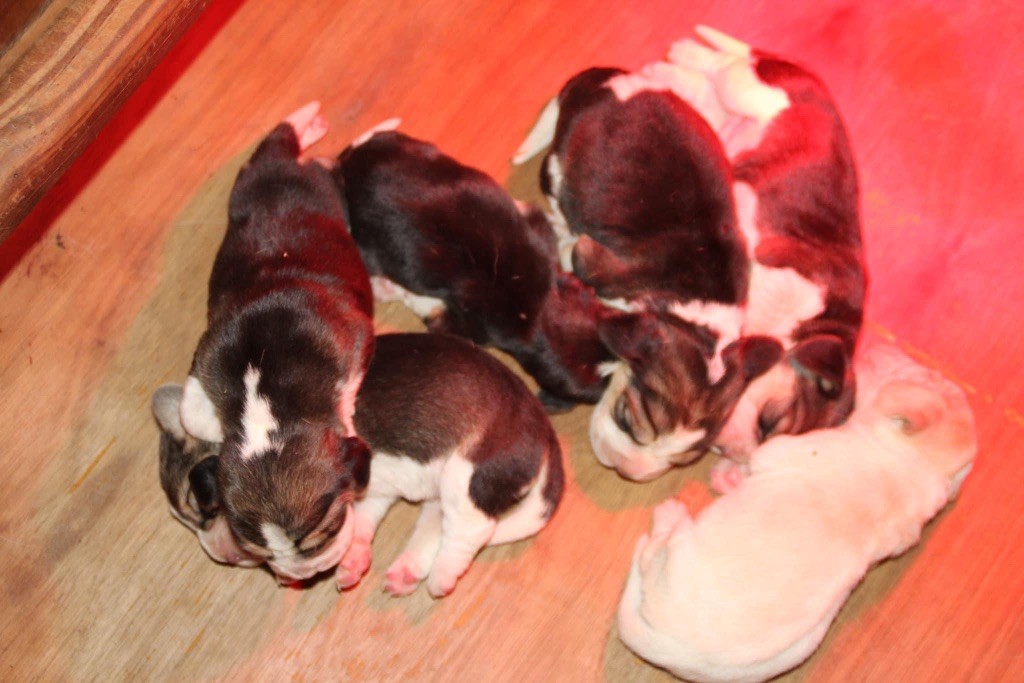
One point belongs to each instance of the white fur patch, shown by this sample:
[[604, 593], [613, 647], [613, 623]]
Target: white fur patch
[[629, 85], [394, 476], [614, 448], [726, 321], [780, 299], [383, 126], [541, 135], [347, 392], [559, 224], [388, 290], [278, 541], [749, 103], [746, 212], [257, 418], [198, 414]]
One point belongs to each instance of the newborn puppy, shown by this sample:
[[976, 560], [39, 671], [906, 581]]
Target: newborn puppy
[[288, 340], [452, 244], [795, 186], [188, 476], [642, 183], [453, 428], [486, 471], [748, 589]]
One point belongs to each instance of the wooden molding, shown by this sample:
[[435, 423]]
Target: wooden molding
[[64, 76]]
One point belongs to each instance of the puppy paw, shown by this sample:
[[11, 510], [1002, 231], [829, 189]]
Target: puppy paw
[[667, 516], [308, 124], [403, 576], [727, 475], [440, 587], [353, 565]]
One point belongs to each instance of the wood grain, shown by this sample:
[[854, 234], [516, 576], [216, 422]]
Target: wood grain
[[105, 302], [64, 75]]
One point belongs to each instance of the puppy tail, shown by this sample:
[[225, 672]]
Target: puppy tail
[[382, 127], [540, 136]]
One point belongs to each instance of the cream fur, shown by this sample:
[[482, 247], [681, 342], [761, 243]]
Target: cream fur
[[748, 589]]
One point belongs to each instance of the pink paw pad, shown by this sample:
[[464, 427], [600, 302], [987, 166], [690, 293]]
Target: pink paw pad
[[353, 566], [402, 579]]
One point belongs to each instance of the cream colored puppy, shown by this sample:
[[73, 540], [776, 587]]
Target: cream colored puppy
[[748, 589]]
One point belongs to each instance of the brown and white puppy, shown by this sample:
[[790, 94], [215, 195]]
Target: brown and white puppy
[[640, 188], [454, 429], [288, 340], [795, 186], [450, 242], [748, 589], [486, 471]]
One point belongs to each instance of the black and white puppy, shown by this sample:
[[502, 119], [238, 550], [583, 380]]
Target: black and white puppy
[[453, 428], [450, 427], [795, 186], [289, 337], [188, 476], [450, 242], [640, 188]]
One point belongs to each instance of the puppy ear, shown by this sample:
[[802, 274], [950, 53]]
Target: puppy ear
[[166, 404], [822, 358], [203, 480], [353, 462], [752, 356], [633, 337]]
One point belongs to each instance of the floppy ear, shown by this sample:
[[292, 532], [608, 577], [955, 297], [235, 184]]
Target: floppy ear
[[203, 480], [353, 462], [822, 358], [166, 404], [752, 356], [633, 337]]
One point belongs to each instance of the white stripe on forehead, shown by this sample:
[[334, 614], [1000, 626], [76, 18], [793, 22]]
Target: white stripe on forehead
[[724, 320], [257, 418], [277, 540]]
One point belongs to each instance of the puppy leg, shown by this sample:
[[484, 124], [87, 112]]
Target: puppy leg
[[367, 514], [413, 565], [669, 518], [308, 124], [465, 529]]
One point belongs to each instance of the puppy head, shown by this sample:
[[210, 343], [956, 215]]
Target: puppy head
[[913, 405], [813, 388], [289, 505], [661, 408], [188, 476], [567, 351]]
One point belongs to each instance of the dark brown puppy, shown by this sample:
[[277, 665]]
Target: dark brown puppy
[[450, 242], [288, 340]]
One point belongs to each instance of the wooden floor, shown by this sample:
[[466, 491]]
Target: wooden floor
[[102, 294]]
